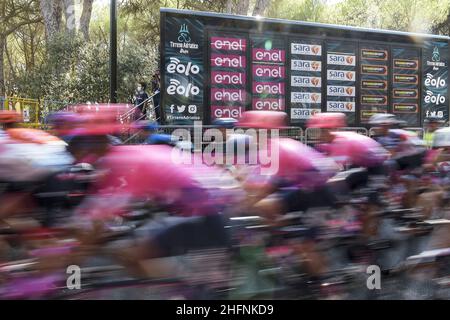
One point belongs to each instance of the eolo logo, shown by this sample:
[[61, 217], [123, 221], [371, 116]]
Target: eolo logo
[[431, 81], [431, 98]]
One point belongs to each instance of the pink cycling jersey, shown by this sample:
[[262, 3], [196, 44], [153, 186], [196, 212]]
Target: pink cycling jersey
[[150, 172], [353, 149], [291, 163]]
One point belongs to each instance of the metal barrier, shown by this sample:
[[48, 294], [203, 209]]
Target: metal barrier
[[419, 131], [312, 135], [29, 108], [137, 138]]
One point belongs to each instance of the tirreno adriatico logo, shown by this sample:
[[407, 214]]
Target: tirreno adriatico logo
[[436, 60], [436, 55], [184, 40], [183, 34]]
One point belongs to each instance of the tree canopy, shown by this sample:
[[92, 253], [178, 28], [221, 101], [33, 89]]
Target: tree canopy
[[58, 49]]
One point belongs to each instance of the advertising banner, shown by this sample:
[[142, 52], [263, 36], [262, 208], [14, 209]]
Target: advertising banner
[[215, 66], [435, 80], [374, 79], [228, 74], [341, 78], [268, 74], [183, 70], [405, 85], [306, 78]]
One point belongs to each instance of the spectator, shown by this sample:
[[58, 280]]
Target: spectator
[[140, 97], [431, 125]]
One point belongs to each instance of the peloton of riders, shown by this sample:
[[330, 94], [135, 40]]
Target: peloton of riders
[[203, 196]]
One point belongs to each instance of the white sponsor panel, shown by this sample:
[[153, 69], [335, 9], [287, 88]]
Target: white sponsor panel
[[303, 114], [306, 65], [306, 49], [306, 97], [340, 106], [341, 75], [308, 82], [341, 59], [341, 91]]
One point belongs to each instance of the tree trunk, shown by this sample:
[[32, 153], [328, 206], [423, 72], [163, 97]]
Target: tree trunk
[[51, 12], [86, 18], [229, 6], [69, 15], [2, 69], [242, 7], [10, 62], [260, 7]]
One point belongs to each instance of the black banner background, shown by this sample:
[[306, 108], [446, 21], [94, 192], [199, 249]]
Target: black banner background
[[183, 70], [435, 80]]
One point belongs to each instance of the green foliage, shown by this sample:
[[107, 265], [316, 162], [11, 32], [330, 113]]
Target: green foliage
[[75, 71], [69, 69], [303, 10]]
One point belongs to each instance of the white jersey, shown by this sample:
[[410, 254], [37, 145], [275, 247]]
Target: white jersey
[[28, 162]]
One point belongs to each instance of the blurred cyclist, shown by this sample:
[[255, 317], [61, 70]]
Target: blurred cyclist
[[353, 151], [349, 149], [382, 124], [150, 174], [151, 135], [29, 158], [405, 146], [297, 183]]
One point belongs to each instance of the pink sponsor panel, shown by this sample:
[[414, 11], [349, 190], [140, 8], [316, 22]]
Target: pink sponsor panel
[[268, 104], [225, 77], [273, 55], [228, 44], [228, 95], [266, 71], [274, 88], [227, 112], [228, 60]]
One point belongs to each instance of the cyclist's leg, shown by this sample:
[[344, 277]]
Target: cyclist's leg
[[177, 239], [298, 200]]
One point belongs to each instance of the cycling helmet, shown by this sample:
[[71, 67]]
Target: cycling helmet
[[228, 123], [146, 125], [9, 116], [381, 119], [441, 138], [60, 119], [263, 120], [98, 119], [160, 138], [327, 120]]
